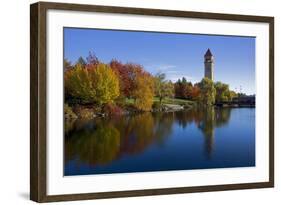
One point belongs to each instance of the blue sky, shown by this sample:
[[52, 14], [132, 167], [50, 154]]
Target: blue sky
[[177, 55]]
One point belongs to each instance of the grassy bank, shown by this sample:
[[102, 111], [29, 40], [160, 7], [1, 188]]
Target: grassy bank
[[175, 101]]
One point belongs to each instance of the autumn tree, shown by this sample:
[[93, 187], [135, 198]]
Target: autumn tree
[[134, 71], [207, 92], [195, 93], [162, 87], [100, 85], [143, 92], [79, 84], [127, 74], [141, 86], [187, 90], [183, 89], [123, 74], [106, 84]]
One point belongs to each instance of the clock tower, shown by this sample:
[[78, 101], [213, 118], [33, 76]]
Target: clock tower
[[209, 65]]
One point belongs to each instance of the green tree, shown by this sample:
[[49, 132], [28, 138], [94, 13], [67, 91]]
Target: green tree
[[169, 89], [207, 92], [222, 92], [184, 81], [106, 84], [232, 94], [81, 61], [162, 87]]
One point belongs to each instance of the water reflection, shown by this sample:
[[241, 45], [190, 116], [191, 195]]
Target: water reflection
[[206, 119], [210, 119], [98, 144], [102, 142]]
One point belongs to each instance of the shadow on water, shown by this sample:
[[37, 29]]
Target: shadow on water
[[102, 141]]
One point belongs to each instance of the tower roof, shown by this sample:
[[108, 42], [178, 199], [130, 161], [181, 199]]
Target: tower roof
[[208, 53]]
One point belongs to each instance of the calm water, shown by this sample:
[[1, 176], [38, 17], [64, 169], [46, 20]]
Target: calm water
[[195, 139]]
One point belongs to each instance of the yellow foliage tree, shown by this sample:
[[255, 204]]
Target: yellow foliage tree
[[79, 83], [99, 85], [143, 92], [106, 84]]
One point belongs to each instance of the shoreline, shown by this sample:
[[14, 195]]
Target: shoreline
[[87, 112]]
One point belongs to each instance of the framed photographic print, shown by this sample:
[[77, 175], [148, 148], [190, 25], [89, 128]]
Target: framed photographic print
[[134, 102]]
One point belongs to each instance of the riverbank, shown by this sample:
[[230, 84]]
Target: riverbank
[[80, 111]]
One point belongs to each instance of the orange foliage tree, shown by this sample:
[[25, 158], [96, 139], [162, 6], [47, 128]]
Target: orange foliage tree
[[143, 92], [123, 74]]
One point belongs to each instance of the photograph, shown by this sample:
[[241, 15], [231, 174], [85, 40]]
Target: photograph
[[148, 101]]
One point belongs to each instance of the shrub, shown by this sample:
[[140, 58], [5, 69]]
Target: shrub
[[68, 113], [112, 109], [84, 112]]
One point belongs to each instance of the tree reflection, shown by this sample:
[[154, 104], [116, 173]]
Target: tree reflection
[[207, 125], [137, 133], [99, 145], [101, 141], [211, 119], [206, 119], [184, 118], [222, 116]]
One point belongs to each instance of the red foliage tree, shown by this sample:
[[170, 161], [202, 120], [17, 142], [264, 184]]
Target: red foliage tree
[[195, 92], [183, 89], [135, 70], [123, 75], [127, 74]]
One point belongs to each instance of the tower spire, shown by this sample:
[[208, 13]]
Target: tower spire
[[208, 53]]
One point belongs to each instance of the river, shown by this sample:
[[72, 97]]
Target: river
[[182, 140]]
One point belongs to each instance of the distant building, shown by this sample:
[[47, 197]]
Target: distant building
[[209, 65]]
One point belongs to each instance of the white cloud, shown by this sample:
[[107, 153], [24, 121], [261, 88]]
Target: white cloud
[[172, 72], [160, 68]]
